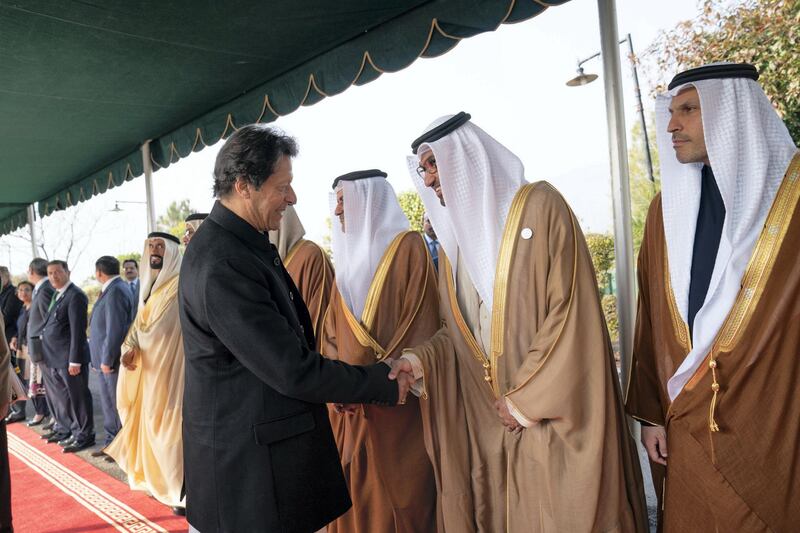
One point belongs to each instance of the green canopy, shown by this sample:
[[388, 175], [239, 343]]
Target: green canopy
[[85, 84]]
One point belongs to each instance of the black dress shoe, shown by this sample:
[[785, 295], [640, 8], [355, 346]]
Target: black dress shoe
[[179, 511], [15, 417], [57, 437], [67, 441], [49, 425], [33, 422], [98, 453], [77, 446], [47, 434]]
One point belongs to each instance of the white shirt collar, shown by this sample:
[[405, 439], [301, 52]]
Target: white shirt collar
[[63, 289], [108, 282], [39, 283], [428, 239]]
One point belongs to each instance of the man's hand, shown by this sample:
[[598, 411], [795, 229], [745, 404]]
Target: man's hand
[[106, 369], [506, 417], [349, 408], [74, 370], [13, 344], [654, 439], [404, 374], [127, 360]]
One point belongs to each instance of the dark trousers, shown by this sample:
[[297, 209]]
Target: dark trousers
[[58, 404], [108, 400], [75, 399], [5, 482]]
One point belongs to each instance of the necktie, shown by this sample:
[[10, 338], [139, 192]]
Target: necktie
[[434, 246], [52, 301]]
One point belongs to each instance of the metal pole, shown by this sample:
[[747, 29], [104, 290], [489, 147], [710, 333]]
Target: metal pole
[[618, 156], [32, 230], [148, 186], [640, 109]]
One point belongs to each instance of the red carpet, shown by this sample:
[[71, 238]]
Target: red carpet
[[54, 492]]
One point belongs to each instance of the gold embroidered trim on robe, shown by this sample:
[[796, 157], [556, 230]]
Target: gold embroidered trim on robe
[[569, 303], [755, 278], [476, 349], [680, 327], [506, 253], [376, 286], [290, 253]]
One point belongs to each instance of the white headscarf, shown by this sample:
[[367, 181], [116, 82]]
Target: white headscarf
[[373, 218], [749, 149], [291, 231], [479, 179], [170, 267]]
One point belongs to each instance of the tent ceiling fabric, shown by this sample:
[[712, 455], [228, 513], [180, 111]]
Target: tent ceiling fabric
[[84, 84]]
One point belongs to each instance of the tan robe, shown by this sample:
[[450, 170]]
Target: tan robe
[[388, 472], [312, 273], [149, 447], [576, 470], [746, 476]]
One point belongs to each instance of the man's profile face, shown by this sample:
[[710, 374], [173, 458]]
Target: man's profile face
[[267, 203], [131, 272], [188, 234], [57, 275], [428, 228], [156, 246], [339, 211], [427, 161], [686, 127]]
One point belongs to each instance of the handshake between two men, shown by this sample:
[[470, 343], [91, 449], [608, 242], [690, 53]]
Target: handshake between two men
[[403, 371]]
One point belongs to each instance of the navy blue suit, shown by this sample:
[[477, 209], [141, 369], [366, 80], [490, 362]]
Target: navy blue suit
[[64, 342], [111, 318]]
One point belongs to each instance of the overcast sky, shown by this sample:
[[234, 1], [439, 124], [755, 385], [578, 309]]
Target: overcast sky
[[512, 81]]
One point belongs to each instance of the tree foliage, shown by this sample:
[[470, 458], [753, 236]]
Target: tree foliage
[[601, 248], [172, 221], [765, 33], [412, 206]]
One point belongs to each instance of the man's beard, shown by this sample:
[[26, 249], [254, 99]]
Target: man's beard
[[156, 262]]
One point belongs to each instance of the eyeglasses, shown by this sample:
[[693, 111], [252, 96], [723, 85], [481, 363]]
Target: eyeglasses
[[429, 166]]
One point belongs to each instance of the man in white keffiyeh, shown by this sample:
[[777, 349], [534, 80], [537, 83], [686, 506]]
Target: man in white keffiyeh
[[149, 447], [384, 300], [520, 380], [719, 250]]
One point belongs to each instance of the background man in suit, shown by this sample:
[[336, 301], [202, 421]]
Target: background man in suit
[[10, 306], [66, 354], [111, 317], [40, 300], [255, 424], [130, 268]]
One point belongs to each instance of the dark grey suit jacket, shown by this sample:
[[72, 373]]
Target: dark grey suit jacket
[[64, 335], [38, 314], [111, 318], [255, 424]]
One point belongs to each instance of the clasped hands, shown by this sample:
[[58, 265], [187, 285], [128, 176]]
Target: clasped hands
[[401, 371], [127, 360]]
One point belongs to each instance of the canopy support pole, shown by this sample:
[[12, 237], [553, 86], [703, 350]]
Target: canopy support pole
[[32, 230], [148, 186], [618, 156]]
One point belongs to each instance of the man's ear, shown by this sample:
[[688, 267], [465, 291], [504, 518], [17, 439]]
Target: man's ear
[[242, 188]]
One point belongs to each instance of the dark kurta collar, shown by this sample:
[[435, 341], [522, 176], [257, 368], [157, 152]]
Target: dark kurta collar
[[710, 219], [239, 227]]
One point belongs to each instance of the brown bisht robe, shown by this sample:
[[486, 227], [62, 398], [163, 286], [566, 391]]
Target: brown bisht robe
[[577, 469], [312, 273], [746, 476], [383, 455]]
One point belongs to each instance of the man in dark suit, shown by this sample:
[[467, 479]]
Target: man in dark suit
[[111, 318], [40, 300], [259, 453], [66, 354], [130, 267]]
